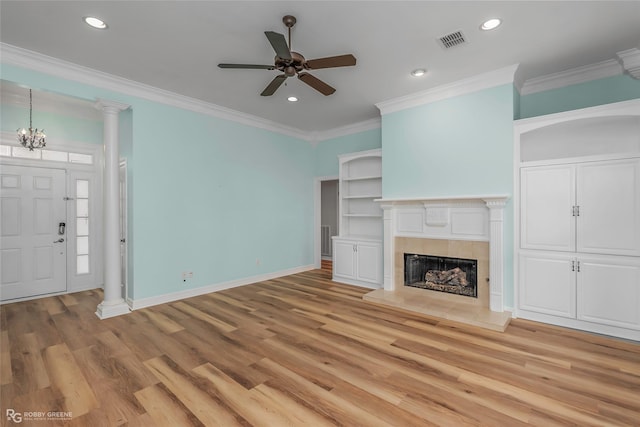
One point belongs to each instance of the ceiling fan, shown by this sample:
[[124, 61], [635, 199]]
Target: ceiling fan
[[292, 63]]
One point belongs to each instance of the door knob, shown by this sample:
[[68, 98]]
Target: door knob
[[60, 240]]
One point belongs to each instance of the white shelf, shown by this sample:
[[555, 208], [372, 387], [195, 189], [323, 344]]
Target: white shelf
[[370, 196], [362, 216], [362, 178]]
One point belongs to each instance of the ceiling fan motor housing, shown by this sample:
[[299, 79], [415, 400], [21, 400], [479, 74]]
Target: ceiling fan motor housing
[[290, 66]]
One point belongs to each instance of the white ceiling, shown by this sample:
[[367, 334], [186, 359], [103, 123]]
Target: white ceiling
[[176, 46]]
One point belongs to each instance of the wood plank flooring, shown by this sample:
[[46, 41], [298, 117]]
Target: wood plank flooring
[[303, 350]]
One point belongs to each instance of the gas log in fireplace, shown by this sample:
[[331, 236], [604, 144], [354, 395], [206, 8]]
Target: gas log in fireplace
[[443, 274]]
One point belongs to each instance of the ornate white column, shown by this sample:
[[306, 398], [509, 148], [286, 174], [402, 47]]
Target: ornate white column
[[496, 252], [388, 266], [113, 303]]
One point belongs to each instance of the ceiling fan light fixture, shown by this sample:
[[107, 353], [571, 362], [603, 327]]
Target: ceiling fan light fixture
[[418, 72], [94, 22], [292, 99], [491, 24]]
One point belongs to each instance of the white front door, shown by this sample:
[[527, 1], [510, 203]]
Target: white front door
[[33, 232]]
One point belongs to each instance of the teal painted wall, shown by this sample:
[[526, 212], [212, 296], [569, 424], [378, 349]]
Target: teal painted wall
[[211, 196], [455, 147], [326, 152], [57, 126], [582, 95], [216, 205]]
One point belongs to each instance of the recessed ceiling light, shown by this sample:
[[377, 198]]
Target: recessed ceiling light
[[490, 24], [418, 72], [292, 99], [95, 22]]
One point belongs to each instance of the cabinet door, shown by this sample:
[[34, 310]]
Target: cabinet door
[[344, 261], [369, 262], [547, 200], [609, 291], [548, 284], [608, 194]]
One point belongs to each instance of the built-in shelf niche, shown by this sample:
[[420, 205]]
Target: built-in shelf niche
[[360, 185], [582, 138]]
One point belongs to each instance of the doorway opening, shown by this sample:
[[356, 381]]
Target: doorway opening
[[326, 220]]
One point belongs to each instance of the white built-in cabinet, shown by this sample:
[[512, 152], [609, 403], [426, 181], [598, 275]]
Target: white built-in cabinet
[[357, 260], [578, 219], [357, 251], [591, 207]]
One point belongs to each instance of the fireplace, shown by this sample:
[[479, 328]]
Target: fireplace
[[463, 227], [443, 274]]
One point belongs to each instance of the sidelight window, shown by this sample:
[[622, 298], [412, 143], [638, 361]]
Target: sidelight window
[[82, 226]]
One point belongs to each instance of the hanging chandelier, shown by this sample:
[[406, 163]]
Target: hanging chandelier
[[31, 138]]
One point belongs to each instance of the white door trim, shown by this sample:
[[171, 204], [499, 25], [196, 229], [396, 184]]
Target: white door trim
[[124, 246]]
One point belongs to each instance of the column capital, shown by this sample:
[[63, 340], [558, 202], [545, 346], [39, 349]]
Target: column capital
[[495, 202], [110, 106]]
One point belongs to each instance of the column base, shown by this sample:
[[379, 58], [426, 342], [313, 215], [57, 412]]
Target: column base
[[113, 309]]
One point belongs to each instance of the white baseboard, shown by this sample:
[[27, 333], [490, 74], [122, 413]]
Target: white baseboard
[[137, 304], [614, 331], [356, 282]]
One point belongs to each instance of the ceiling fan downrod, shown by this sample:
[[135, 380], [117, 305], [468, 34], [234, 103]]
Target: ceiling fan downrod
[[289, 21]]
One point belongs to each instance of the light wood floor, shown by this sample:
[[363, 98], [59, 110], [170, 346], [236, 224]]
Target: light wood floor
[[303, 350]]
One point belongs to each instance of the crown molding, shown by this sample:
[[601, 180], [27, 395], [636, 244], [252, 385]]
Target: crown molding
[[461, 87], [599, 70], [630, 60], [317, 137], [17, 96], [56, 67]]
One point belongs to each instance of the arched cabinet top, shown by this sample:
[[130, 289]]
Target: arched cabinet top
[[620, 109], [596, 132]]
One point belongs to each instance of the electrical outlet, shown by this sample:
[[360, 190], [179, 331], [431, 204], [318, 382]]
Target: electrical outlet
[[257, 261], [187, 275]]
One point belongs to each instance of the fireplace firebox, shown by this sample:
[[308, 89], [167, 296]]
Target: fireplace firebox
[[443, 274]]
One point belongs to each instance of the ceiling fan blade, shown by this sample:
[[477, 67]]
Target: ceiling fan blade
[[331, 62], [248, 66], [279, 44], [316, 83], [274, 85]]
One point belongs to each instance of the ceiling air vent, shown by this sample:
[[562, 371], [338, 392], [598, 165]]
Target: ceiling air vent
[[451, 40]]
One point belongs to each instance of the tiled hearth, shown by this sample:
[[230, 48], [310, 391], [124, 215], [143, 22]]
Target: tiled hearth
[[464, 227], [438, 305]]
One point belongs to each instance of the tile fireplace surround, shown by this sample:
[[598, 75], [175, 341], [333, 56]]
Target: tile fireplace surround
[[466, 227]]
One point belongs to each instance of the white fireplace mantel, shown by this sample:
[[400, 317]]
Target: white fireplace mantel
[[477, 217]]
